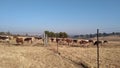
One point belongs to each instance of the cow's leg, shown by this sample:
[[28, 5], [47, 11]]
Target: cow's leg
[[22, 42], [68, 43], [31, 41]]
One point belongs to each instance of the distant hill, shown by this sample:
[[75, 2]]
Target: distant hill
[[86, 36]]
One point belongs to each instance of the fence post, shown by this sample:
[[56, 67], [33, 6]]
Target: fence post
[[97, 48], [45, 40], [57, 47]]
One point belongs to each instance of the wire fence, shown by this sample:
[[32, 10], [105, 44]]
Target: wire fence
[[104, 55]]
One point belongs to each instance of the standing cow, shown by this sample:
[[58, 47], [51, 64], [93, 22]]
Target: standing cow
[[84, 42], [19, 40], [98, 42], [5, 39], [68, 40], [75, 41], [28, 40]]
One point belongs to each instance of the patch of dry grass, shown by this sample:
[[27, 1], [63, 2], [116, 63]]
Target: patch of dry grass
[[109, 54], [31, 57], [109, 57]]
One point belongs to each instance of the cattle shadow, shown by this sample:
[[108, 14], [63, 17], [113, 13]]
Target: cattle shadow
[[75, 46], [17, 44], [39, 45], [78, 46]]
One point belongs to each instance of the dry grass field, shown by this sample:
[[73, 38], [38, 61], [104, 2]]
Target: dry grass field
[[38, 56], [31, 57], [86, 56]]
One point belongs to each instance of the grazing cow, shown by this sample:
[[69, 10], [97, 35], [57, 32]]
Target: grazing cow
[[75, 41], [52, 39], [57, 40], [98, 42], [19, 40], [91, 41], [68, 41], [84, 42], [62, 41], [105, 41], [28, 39], [5, 39], [38, 38]]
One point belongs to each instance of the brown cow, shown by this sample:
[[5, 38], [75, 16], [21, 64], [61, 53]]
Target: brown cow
[[28, 39], [105, 41], [91, 41], [19, 40], [57, 40], [75, 41], [68, 41], [52, 39], [84, 42], [63, 40]]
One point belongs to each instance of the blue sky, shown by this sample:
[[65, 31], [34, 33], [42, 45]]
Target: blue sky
[[71, 16]]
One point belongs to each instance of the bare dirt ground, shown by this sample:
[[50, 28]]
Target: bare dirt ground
[[38, 56]]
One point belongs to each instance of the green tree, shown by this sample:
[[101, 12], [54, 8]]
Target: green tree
[[63, 35], [2, 33], [47, 33], [56, 35], [52, 34], [60, 34]]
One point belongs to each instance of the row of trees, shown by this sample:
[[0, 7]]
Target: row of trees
[[58, 35], [5, 33], [94, 35]]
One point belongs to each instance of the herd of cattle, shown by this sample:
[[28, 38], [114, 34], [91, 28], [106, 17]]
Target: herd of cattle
[[19, 40], [63, 41], [70, 41]]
